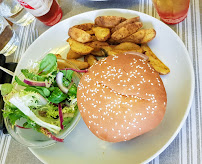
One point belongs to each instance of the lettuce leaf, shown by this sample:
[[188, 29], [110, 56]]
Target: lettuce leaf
[[47, 64]]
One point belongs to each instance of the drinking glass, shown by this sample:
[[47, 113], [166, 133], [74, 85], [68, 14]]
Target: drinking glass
[[172, 11], [8, 38], [14, 12]]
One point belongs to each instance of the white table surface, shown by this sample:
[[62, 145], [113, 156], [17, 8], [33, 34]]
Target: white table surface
[[186, 148]]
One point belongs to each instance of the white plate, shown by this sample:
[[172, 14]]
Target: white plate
[[81, 146]]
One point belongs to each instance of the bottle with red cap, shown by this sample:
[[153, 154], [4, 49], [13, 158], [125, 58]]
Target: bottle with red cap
[[47, 11]]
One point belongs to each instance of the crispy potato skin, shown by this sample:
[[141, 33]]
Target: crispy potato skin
[[79, 48], [108, 21], [85, 26], [97, 45], [79, 35], [126, 30], [141, 37], [124, 23]]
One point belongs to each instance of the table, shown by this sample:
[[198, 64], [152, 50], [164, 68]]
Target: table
[[187, 146]]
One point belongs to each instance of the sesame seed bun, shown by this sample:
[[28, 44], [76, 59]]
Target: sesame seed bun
[[121, 97]]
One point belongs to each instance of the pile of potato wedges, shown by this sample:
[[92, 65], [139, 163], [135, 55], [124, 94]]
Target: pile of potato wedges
[[111, 35]]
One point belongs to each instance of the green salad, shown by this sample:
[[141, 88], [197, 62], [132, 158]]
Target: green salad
[[47, 101]]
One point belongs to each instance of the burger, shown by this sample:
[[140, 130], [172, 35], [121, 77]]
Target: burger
[[121, 97]]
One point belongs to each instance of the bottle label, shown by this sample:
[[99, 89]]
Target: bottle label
[[25, 5], [36, 7]]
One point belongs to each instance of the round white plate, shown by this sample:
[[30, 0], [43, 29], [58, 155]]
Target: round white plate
[[81, 146]]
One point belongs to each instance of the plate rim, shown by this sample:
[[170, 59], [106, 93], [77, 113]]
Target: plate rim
[[191, 96]]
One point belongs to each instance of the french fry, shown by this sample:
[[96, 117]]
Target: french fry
[[85, 26], [140, 37], [79, 35], [124, 23], [128, 46], [73, 55], [90, 59], [108, 21], [101, 33], [78, 47], [126, 30], [155, 62]]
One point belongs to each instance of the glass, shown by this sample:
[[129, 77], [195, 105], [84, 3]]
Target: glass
[[8, 38], [32, 138], [172, 11], [47, 11], [14, 12]]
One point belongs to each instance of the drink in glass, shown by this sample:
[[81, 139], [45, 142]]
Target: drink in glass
[[172, 11], [8, 38], [14, 12], [47, 11]]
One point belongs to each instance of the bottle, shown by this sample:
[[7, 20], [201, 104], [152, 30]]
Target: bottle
[[47, 11], [8, 38], [15, 13]]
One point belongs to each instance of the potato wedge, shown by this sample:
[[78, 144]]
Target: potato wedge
[[94, 38], [79, 48], [124, 23], [90, 59], [140, 37], [85, 26], [128, 46], [91, 32], [58, 56], [73, 55], [126, 30], [113, 42], [136, 37], [106, 49], [108, 21], [99, 53], [149, 35], [116, 52], [79, 64], [62, 63], [97, 45], [101, 33], [155, 62], [79, 35]]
